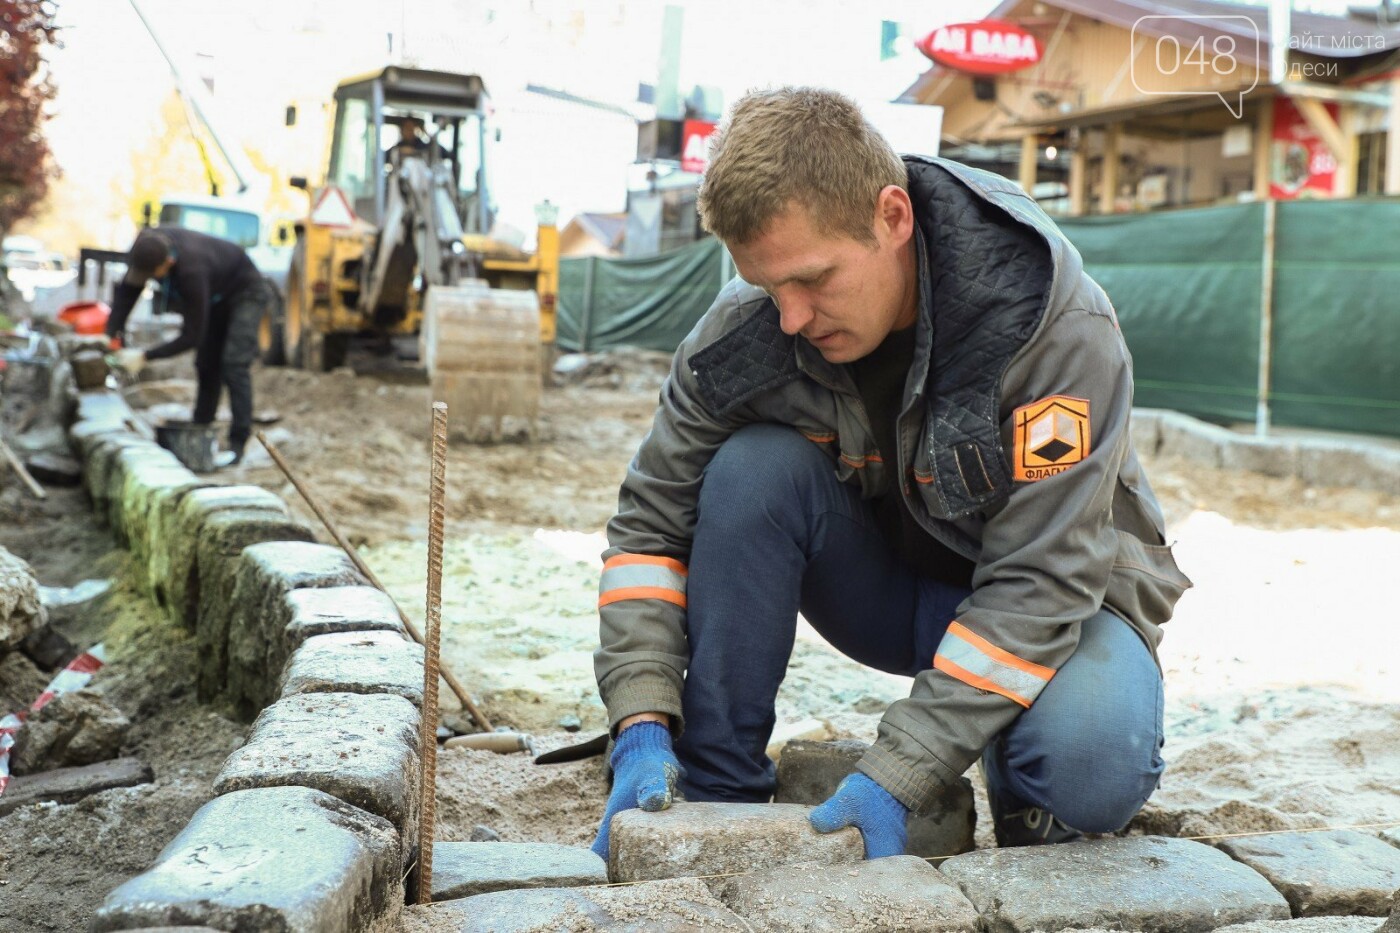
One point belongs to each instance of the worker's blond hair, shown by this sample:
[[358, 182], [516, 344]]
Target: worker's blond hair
[[796, 144]]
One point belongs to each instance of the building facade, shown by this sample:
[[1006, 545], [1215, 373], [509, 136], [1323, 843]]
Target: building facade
[[1148, 104]]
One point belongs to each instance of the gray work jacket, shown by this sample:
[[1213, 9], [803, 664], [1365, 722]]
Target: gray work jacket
[[1014, 451]]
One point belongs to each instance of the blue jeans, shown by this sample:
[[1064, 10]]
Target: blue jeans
[[776, 533]]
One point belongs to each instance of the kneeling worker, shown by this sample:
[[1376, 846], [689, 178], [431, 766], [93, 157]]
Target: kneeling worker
[[221, 296], [909, 421]]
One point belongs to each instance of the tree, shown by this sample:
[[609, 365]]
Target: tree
[[26, 166]]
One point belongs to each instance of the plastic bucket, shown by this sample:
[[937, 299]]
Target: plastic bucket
[[86, 317], [194, 445]]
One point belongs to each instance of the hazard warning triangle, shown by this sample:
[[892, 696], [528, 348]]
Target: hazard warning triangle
[[332, 210]]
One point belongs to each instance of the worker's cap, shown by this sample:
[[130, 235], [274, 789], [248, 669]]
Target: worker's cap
[[146, 255]]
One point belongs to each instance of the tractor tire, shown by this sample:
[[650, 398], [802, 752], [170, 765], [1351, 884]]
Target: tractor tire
[[271, 349]]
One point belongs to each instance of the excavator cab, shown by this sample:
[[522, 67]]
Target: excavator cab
[[399, 113], [398, 243]]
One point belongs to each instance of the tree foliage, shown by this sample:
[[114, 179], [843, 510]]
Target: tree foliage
[[27, 30]]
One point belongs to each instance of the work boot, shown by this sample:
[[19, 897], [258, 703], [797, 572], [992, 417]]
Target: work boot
[[1015, 822], [1030, 827]]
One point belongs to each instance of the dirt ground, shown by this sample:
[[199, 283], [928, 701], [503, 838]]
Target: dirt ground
[[1282, 710], [57, 862]]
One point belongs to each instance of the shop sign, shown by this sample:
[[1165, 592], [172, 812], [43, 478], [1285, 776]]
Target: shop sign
[[1301, 165], [987, 47], [695, 145]]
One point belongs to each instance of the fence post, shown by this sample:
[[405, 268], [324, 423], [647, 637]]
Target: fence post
[[1266, 319], [586, 314]]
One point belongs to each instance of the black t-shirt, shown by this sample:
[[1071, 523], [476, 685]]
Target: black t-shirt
[[880, 378]]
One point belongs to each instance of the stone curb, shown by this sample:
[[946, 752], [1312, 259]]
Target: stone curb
[[1313, 461], [296, 838]]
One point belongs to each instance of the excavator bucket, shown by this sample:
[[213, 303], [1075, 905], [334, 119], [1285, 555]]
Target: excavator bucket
[[482, 350]]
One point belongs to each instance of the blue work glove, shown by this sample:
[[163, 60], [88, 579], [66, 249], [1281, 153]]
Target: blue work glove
[[645, 771], [867, 806]]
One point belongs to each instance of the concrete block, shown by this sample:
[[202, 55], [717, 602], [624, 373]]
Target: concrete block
[[360, 748], [900, 893], [1342, 463], [210, 591], [462, 869], [1185, 437], [1148, 883], [1385, 469], [69, 785], [1146, 426], [681, 906], [307, 613], [357, 662], [257, 647], [712, 838], [1338, 872], [1272, 456], [809, 772], [175, 531], [277, 858]]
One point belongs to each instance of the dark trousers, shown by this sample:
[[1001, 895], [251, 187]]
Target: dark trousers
[[776, 534], [224, 358]]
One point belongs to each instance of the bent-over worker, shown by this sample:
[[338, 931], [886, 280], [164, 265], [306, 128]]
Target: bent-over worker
[[908, 420], [221, 296]]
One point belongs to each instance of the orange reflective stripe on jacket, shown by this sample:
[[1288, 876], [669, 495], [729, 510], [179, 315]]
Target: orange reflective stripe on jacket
[[639, 576], [979, 663]]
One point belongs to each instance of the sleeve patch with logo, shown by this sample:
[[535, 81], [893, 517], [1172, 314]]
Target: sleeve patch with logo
[[1052, 435]]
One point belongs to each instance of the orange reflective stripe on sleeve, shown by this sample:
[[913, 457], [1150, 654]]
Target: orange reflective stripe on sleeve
[[640, 576], [977, 662], [625, 560]]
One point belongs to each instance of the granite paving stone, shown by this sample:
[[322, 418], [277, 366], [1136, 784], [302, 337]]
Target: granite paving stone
[[809, 772], [899, 893], [357, 662], [1337, 873], [462, 869], [306, 613], [175, 531], [257, 647], [711, 838], [1148, 883], [126, 465], [220, 542], [276, 858], [362, 748], [678, 906]]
